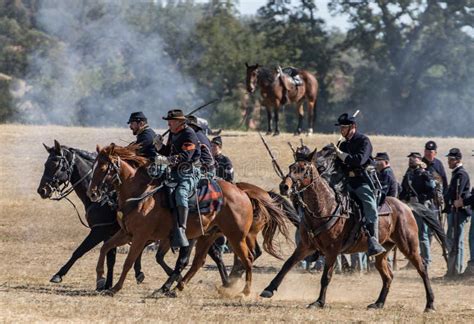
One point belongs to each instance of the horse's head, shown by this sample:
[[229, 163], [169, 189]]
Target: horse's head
[[301, 173], [113, 164], [252, 77], [105, 173], [57, 170]]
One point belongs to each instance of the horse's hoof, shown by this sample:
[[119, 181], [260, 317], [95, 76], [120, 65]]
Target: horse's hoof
[[430, 309], [100, 284], [56, 279], [180, 286], [375, 306], [310, 132], [316, 304], [108, 293], [276, 133], [268, 133], [171, 294], [140, 277], [266, 294]]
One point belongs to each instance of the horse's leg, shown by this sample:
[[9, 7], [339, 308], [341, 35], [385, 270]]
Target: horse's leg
[[325, 280], [269, 119], [409, 246], [216, 255], [311, 116], [111, 256], [300, 111], [243, 252], [136, 248], [382, 266], [95, 236], [137, 266], [163, 248], [299, 254], [238, 268], [276, 110], [181, 263], [119, 238], [202, 246]]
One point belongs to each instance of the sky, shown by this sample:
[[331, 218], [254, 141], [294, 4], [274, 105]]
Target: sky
[[250, 7]]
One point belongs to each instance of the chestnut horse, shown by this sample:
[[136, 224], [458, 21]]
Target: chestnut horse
[[272, 88], [322, 231], [147, 220]]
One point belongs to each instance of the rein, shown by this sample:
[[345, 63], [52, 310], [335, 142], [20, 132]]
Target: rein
[[66, 189]]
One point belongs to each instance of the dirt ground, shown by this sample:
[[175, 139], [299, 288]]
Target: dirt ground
[[38, 236]]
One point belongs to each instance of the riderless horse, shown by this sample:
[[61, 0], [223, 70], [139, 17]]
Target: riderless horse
[[276, 88]]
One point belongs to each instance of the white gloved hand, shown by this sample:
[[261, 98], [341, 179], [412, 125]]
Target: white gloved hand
[[160, 160], [158, 142], [341, 155]]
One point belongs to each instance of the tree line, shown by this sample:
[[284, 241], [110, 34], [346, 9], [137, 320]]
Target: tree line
[[406, 64]]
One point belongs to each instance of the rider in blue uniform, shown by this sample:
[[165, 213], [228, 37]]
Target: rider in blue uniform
[[355, 153], [183, 153], [138, 123]]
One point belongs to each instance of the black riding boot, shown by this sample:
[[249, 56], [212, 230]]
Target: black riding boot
[[179, 234], [374, 246]]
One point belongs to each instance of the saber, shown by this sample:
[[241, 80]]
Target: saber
[[276, 167], [292, 150], [193, 111]]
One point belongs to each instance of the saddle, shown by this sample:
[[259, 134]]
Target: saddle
[[289, 77]]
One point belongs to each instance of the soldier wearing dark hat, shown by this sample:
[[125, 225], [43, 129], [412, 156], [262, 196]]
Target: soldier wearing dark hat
[[138, 123], [207, 160], [224, 167], [386, 176], [355, 153], [183, 152], [459, 188], [418, 189], [461, 203], [433, 164]]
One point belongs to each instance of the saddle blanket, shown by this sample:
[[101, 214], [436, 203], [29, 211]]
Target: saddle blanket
[[210, 197]]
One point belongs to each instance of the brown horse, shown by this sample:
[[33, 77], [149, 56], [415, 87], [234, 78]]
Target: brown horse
[[147, 220], [322, 231], [273, 88]]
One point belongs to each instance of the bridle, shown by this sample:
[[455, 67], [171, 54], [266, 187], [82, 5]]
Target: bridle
[[60, 190], [113, 171]]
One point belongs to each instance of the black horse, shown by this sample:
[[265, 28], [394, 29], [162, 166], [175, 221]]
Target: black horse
[[67, 170]]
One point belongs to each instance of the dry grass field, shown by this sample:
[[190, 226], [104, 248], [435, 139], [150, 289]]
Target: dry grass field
[[37, 237]]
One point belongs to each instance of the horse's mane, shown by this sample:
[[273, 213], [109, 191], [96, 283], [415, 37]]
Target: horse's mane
[[89, 156], [128, 153], [266, 75]]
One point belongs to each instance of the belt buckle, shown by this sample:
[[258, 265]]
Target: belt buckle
[[352, 174]]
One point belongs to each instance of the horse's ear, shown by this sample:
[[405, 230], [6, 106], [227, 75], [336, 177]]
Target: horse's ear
[[112, 148], [246, 65], [312, 155], [57, 148], [48, 149], [98, 148], [256, 66]]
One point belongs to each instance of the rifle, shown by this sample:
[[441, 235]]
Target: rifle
[[192, 112], [275, 165], [292, 150], [453, 253]]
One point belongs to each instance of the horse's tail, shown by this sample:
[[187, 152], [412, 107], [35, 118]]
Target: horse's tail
[[290, 211], [274, 219]]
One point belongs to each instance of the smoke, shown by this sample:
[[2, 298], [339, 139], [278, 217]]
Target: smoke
[[106, 60]]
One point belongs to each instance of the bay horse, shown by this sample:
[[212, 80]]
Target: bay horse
[[272, 89], [68, 170], [258, 225], [321, 229], [148, 220]]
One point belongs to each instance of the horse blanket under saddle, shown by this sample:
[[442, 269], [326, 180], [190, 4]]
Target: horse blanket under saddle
[[210, 197]]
